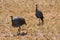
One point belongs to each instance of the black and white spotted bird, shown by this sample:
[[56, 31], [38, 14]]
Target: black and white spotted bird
[[17, 22], [39, 14]]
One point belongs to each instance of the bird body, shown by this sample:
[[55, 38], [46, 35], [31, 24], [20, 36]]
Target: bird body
[[39, 14], [19, 21]]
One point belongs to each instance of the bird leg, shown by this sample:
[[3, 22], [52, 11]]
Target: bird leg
[[19, 31], [39, 23], [42, 21]]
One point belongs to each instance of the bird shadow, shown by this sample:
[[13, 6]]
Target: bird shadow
[[21, 34], [40, 24]]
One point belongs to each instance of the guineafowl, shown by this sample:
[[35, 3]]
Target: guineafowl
[[39, 15], [17, 22]]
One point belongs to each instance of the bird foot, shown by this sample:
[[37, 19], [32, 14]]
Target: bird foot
[[38, 24], [18, 34], [23, 34]]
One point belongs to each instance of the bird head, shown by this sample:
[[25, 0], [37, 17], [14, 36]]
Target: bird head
[[25, 23], [11, 16], [36, 5]]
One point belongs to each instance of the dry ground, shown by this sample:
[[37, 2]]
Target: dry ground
[[26, 9]]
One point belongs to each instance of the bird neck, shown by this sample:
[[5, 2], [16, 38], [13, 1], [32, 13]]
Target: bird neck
[[36, 8], [12, 20]]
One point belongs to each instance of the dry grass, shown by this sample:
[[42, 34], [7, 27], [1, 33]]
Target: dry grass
[[26, 9]]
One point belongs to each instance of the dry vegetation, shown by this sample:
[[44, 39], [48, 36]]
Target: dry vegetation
[[26, 9]]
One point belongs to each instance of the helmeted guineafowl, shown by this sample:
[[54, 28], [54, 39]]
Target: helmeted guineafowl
[[17, 22], [39, 15]]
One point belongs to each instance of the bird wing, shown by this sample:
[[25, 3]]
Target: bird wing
[[39, 14], [18, 21]]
